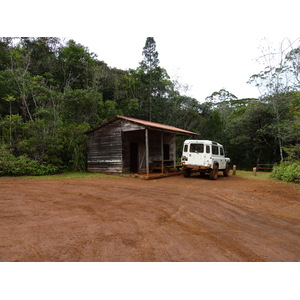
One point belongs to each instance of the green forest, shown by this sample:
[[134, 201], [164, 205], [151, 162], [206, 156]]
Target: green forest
[[52, 91]]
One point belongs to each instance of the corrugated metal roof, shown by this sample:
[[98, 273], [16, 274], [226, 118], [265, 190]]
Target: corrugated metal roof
[[148, 124]]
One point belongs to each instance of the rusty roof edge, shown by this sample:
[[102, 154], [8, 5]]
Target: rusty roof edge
[[145, 123], [150, 124]]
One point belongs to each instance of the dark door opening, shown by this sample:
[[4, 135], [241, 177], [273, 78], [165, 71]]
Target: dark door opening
[[166, 152], [134, 157]]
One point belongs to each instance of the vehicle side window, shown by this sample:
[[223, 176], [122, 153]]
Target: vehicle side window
[[197, 148], [185, 148], [215, 150], [207, 149], [221, 151]]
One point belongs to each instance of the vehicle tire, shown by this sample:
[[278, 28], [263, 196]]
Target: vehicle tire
[[213, 174], [186, 173], [227, 170]]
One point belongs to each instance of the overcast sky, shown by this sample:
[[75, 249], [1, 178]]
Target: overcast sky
[[208, 45]]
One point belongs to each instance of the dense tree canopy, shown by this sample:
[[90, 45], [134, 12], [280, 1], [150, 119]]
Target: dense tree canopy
[[52, 91]]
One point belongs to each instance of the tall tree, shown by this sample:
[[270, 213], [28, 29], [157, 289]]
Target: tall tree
[[250, 135], [77, 64], [222, 102], [151, 84], [149, 76], [279, 78], [150, 55]]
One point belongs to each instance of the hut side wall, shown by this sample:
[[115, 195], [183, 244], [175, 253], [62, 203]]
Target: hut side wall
[[105, 149]]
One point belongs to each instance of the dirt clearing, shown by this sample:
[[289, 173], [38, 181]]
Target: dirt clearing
[[129, 219]]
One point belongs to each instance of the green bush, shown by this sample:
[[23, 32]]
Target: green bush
[[288, 171], [22, 165]]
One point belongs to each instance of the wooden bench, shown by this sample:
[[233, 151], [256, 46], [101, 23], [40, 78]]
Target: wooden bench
[[168, 166], [158, 168]]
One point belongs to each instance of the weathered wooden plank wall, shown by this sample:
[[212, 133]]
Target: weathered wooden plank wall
[[105, 149]]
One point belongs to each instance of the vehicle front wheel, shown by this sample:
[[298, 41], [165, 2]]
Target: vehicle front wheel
[[186, 173], [213, 174]]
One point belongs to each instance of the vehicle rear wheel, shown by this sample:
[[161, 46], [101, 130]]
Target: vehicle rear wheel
[[213, 174], [186, 173], [226, 171]]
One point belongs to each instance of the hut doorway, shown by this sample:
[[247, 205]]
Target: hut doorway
[[134, 157], [166, 149]]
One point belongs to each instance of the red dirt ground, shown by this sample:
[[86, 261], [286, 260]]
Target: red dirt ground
[[129, 219]]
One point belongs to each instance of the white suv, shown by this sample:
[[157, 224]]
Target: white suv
[[205, 157]]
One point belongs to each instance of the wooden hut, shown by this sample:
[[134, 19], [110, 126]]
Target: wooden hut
[[128, 145]]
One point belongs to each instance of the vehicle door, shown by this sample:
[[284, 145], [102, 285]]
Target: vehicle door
[[197, 154], [222, 163]]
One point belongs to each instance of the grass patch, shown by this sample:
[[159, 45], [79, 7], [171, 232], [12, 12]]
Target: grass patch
[[259, 175], [262, 176], [69, 175]]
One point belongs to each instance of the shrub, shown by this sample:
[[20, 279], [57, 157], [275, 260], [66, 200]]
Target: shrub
[[288, 171], [22, 165]]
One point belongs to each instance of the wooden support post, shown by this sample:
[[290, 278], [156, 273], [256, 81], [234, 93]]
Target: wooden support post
[[147, 151], [174, 145], [162, 151], [234, 170], [254, 171]]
